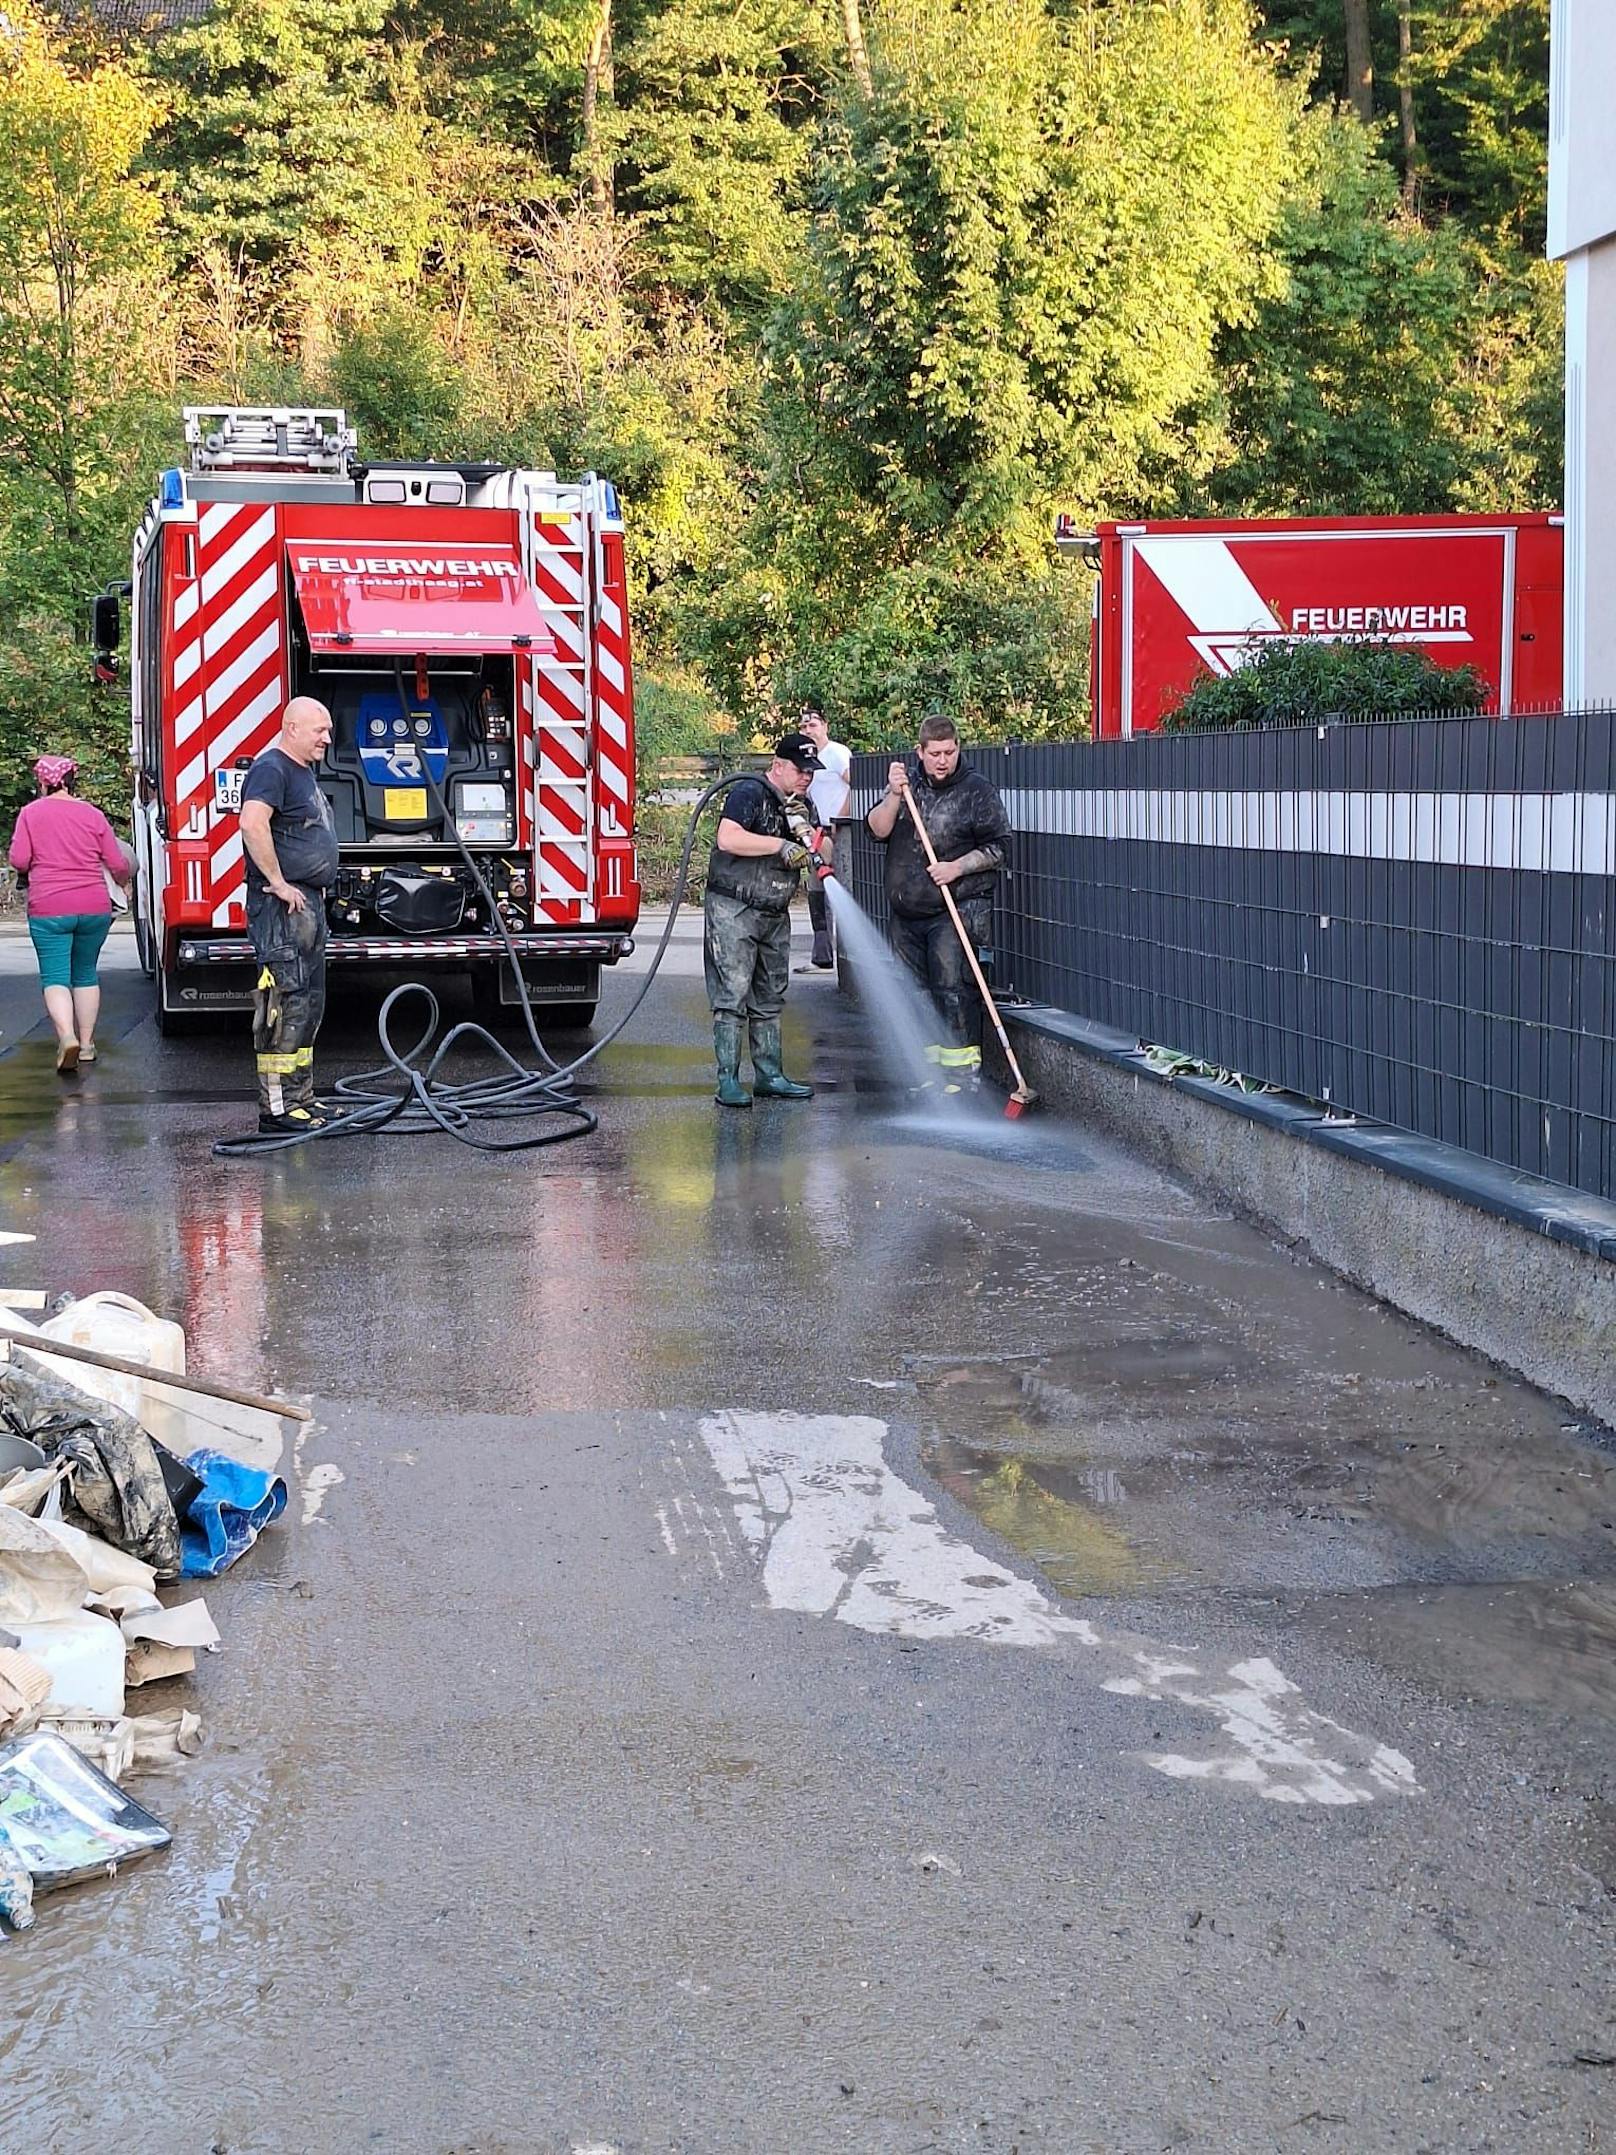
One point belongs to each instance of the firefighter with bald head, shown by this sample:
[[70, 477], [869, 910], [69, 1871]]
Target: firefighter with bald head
[[761, 849], [291, 847]]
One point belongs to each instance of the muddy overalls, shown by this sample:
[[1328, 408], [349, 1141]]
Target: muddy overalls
[[289, 992], [965, 818], [747, 945]]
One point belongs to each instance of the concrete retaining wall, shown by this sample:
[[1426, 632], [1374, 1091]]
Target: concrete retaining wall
[[1523, 1271]]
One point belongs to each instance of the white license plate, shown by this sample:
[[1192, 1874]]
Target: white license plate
[[227, 792]]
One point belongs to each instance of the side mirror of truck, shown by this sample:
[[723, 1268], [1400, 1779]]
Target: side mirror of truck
[[106, 624]]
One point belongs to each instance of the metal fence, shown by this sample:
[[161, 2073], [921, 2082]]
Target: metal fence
[[1413, 921]]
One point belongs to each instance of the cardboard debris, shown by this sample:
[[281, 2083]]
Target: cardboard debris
[[165, 1642], [186, 1624], [40, 1580], [149, 1663], [24, 1686], [136, 1743]]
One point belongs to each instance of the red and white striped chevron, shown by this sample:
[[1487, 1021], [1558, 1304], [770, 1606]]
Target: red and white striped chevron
[[555, 752], [614, 716], [229, 674]]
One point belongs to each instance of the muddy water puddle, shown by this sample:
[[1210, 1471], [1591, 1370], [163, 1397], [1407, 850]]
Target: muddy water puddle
[[1140, 1458], [1056, 1516]]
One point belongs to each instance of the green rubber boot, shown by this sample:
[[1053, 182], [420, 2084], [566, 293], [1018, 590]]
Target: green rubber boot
[[769, 1081], [727, 1048]]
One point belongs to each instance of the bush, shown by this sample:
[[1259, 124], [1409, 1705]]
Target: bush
[[659, 835], [1294, 684], [675, 715], [49, 705]]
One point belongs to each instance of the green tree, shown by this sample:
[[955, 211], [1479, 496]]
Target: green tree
[[706, 142], [74, 237], [1480, 70], [1339, 394], [1024, 245], [282, 122], [48, 704]]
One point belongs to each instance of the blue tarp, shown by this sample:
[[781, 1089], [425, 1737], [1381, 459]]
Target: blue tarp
[[235, 1506]]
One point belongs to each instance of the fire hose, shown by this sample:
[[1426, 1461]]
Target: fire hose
[[406, 1094]]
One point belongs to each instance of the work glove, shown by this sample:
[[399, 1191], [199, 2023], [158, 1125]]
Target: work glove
[[792, 855]]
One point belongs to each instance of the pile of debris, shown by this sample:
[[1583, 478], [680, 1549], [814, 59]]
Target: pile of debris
[[119, 1474]]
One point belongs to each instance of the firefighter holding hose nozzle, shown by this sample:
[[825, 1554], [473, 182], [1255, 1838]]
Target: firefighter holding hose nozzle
[[765, 840], [291, 848], [969, 831]]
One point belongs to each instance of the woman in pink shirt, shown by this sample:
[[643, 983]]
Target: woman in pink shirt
[[63, 845]]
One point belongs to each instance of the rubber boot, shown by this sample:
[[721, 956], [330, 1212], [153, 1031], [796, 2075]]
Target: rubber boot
[[769, 1081], [823, 958], [727, 1048]]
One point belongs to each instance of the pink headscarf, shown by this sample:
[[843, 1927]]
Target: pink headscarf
[[55, 770]]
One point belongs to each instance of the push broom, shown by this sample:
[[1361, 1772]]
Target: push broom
[[1023, 1096]]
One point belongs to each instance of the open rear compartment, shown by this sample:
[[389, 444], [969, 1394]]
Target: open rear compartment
[[424, 768]]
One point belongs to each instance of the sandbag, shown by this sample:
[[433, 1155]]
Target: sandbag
[[116, 1488]]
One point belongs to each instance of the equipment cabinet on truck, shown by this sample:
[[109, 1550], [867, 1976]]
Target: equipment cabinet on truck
[[1176, 600], [461, 622]]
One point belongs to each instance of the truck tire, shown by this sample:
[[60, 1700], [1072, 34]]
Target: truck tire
[[486, 1008], [180, 1024], [565, 1017]]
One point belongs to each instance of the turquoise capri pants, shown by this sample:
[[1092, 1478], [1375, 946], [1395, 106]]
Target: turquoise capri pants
[[68, 945]]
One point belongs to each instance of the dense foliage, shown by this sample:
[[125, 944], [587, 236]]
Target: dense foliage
[[848, 302], [1300, 684]]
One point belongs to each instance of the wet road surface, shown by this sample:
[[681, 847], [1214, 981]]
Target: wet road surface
[[819, 1630]]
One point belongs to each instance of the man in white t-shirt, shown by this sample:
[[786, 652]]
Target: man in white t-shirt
[[831, 796]]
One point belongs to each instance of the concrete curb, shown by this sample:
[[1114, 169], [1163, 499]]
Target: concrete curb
[[1522, 1270]]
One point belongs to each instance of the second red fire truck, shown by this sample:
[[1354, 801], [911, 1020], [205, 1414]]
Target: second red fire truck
[[1175, 601]]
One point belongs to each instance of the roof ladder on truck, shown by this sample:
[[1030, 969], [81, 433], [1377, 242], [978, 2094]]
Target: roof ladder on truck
[[281, 438], [555, 534]]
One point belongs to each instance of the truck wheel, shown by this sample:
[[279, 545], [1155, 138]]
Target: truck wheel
[[486, 1007], [565, 1017], [180, 1024]]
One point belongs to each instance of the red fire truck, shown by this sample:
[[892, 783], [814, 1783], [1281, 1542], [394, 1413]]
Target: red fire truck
[[1176, 600], [464, 624]]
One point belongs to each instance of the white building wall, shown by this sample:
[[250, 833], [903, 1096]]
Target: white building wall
[[1582, 233]]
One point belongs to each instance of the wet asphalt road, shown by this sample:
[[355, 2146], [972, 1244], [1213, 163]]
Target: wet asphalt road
[[833, 1633]]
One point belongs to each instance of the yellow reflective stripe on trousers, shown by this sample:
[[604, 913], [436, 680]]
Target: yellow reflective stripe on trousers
[[283, 1064], [960, 1058]]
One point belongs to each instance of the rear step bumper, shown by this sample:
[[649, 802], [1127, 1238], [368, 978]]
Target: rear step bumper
[[401, 950]]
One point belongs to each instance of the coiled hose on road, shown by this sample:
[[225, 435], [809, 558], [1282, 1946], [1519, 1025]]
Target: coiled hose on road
[[405, 1095]]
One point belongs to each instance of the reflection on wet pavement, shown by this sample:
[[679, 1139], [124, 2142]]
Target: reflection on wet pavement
[[1053, 1514]]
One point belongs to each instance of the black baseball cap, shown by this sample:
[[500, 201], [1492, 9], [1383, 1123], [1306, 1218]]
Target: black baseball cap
[[798, 749]]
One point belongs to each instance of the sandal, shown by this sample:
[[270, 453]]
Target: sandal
[[87, 1055], [67, 1057]]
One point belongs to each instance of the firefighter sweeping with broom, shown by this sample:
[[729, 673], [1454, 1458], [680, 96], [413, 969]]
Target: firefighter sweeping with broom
[[937, 796]]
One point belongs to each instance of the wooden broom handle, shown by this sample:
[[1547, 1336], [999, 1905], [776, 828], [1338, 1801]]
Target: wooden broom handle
[[966, 944]]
